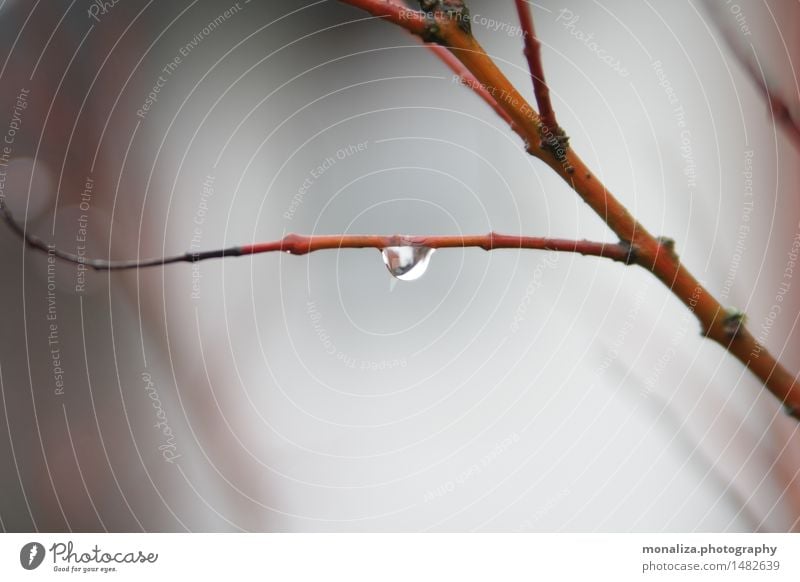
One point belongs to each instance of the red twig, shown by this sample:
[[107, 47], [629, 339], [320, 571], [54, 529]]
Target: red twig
[[298, 244], [533, 52]]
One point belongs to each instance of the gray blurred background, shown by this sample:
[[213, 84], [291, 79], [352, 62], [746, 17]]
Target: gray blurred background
[[503, 391]]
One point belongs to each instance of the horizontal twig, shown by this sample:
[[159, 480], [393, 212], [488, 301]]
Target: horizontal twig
[[298, 244]]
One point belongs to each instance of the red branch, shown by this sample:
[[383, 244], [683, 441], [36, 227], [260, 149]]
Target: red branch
[[413, 21], [469, 80], [298, 244], [533, 52]]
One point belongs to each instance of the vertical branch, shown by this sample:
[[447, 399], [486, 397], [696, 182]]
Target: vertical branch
[[779, 109], [533, 52]]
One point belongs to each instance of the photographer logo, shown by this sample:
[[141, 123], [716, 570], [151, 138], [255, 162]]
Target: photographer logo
[[31, 555]]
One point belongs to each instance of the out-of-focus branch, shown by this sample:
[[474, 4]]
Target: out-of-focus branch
[[778, 107]]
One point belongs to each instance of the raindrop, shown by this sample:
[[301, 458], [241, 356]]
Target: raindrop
[[407, 263]]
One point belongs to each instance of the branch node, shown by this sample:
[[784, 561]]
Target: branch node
[[556, 142], [432, 33], [632, 256], [733, 322], [293, 244], [668, 244], [404, 240], [489, 244], [455, 10]]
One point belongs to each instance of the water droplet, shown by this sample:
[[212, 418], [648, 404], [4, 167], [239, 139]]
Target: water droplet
[[407, 263]]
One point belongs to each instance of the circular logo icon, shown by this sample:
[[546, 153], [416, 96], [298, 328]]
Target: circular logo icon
[[31, 555]]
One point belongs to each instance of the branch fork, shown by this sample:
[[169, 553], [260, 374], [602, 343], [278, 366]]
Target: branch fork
[[657, 255]]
